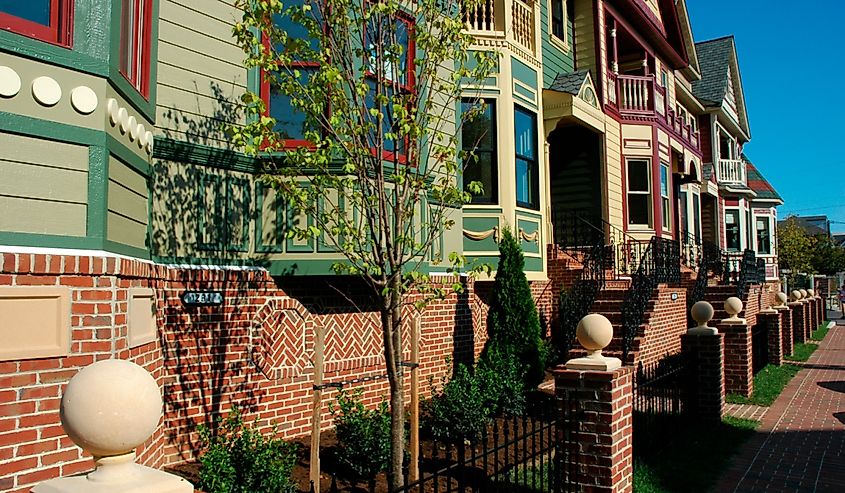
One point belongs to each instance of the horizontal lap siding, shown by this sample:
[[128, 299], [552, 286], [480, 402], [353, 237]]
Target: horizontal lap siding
[[128, 209], [44, 188], [200, 74], [555, 60]]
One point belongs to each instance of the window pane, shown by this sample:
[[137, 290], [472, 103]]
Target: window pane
[[291, 122], [666, 219], [479, 137], [526, 134], [638, 209], [557, 19], [37, 11], [664, 181], [696, 215], [523, 183], [638, 176], [763, 238], [383, 34], [127, 38], [732, 230]]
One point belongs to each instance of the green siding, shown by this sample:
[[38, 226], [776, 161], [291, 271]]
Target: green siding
[[44, 188], [555, 60], [128, 209], [524, 73]]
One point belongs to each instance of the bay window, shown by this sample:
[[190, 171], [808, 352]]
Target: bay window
[[479, 137], [664, 196], [135, 33], [764, 235], [46, 20], [527, 171], [639, 193], [732, 233]]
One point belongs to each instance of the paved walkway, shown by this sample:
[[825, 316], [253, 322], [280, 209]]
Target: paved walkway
[[746, 411], [800, 445]]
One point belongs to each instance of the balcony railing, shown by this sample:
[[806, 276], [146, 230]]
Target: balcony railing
[[731, 171], [641, 96], [489, 18]]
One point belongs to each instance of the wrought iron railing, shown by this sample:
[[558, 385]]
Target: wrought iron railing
[[747, 273], [574, 233], [691, 250], [710, 263], [660, 390], [661, 263]]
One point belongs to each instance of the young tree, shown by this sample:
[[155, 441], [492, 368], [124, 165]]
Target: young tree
[[793, 248], [378, 84], [513, 324]]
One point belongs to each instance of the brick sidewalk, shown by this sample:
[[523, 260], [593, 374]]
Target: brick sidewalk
[[800, 445]]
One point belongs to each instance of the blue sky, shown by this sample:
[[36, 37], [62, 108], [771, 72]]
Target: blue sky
[[792, 73]]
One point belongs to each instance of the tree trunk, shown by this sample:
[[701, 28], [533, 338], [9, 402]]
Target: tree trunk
[[391, 317]]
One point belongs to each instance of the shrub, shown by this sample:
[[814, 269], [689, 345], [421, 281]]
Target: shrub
[[513, 324], [363, 435], [460, 409], [502, 382], [239, 459]]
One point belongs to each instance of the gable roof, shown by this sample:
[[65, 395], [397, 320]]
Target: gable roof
[[689, 40], [717, 59], [757, 182]]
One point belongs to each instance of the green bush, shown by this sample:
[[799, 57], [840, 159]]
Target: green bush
[[460, 409], [363, 435], [239, 459], [513, 324], [502, 382]]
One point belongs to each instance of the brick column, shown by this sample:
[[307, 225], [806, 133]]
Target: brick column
[[812, 316], [705, 398], [797, 309], [786, 329], [604, 430], [807, 322], [822, 310], [774, 326], [738, 358]]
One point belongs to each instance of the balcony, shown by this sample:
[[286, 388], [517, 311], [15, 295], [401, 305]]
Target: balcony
[[640, 98], [512, 20], [731, 171]]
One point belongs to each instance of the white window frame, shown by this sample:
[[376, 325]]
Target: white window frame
[[739, 221], [768, 219], [628, 191], [563, 44], [665, 200]]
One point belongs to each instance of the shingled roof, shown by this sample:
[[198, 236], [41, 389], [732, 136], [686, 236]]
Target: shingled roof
[[714, 58], [570, 83], [765, 191]]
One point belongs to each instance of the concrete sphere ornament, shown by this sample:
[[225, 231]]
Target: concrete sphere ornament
[[795, 295], [111, 407], [702, 312], [782, 298], [733, 306], [803, 293], [811, 292], [594, 332]]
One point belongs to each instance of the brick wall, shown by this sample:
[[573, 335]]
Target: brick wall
[[666, 323], [254, 351], [738, 358]]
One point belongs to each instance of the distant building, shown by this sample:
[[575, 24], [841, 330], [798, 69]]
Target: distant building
[[812, 225]]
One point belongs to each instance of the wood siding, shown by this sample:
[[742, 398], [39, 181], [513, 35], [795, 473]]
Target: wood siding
[[556, 60], [128, 205], [44, 188], [200, 71]]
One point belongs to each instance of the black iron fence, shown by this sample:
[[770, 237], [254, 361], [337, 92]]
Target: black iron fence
[[659, 391], [759, 347], [535, 452]]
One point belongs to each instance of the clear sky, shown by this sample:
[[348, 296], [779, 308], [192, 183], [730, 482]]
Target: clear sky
[[793, 73]]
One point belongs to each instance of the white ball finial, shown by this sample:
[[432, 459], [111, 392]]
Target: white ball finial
[[111, 407], [594, 333], [795, 295], [702, 312], [733, 306], [803, 293], [781, 298], [811, 293]]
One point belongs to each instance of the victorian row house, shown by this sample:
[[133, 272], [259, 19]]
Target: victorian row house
[[131, 228]]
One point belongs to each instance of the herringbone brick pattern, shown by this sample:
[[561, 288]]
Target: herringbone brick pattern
[[800, 446]]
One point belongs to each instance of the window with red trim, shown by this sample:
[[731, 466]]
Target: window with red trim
[[291, 124], [47, 20], [135, 43], [395, 77]]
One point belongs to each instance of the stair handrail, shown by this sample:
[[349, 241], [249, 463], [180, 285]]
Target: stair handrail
[[660, 263], [627, 250], [747, 273], [710, 263]]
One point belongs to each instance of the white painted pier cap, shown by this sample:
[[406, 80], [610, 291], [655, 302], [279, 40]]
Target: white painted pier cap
[[702, 312], [109, 409], [594, 333]]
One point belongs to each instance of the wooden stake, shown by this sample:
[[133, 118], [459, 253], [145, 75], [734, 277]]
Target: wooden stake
[[319, 356], [414, 466]]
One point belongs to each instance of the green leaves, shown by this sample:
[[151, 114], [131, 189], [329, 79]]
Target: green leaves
[[363, 434]]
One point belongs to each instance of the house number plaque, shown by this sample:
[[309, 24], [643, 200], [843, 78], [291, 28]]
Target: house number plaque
[[202, 298]]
